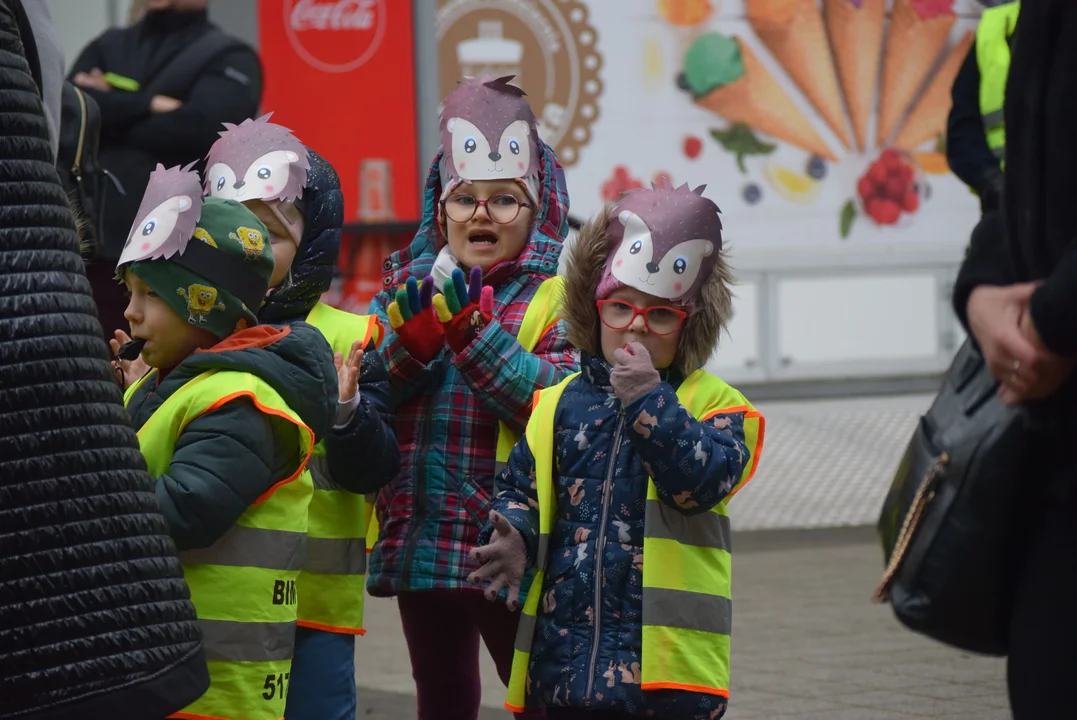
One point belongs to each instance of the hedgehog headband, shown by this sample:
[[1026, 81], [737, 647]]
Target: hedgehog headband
[[257, 160], [165, 229], [488, 132], [664, 241]]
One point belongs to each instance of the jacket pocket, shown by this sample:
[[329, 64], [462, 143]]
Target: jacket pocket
[[475, 499]]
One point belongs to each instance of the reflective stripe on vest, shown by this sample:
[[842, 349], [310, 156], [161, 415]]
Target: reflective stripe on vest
[[543, 310], [244, 585], [332, 585], [993, 59], [687, 610]]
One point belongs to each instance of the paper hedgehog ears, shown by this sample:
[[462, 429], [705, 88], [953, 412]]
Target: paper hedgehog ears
[[665, 241], [488, 131], [257, 160], [167, 217]]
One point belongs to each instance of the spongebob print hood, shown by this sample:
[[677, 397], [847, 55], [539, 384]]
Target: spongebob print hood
[[242, 269]]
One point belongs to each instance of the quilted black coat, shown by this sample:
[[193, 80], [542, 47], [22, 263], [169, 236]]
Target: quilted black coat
[[95, 618]]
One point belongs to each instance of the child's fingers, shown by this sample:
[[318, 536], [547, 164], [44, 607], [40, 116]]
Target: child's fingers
[[452, 297], [412, 286], [486, 301], [497, 582], [442, 309], [459, 283], [621, 356], [513, 597], [338, 360], [475, 286], [402, 303], [396, 319], [426, 293]]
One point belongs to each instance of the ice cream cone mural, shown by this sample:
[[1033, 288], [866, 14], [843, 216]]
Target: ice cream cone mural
[[918, 32], [855, 28], [793, 32], [927, 120], [687, 18], [725, 77]]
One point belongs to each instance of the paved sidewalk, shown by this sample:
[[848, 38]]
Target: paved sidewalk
[[808, 644]]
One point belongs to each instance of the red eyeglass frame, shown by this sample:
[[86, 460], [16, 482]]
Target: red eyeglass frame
[[636, 312]]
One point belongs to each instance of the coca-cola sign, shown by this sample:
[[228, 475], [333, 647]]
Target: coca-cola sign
[[335, 36]]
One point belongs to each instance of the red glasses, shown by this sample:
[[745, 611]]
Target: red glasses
[[659, 319], [501, 208]]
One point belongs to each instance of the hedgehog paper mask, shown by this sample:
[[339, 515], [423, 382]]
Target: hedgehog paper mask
[[667, 242], [167, 217], [488, 131], [256, 160]]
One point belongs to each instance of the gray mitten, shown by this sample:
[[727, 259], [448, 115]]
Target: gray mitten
[[503, 559], [634, 375]]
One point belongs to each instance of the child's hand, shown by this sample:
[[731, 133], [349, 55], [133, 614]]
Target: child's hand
[[129, 370], [503, 560], [415, 323], [348, 372], [465, 308], [634, 375]]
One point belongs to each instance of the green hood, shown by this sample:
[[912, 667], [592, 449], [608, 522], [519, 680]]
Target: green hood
[[295, 360]]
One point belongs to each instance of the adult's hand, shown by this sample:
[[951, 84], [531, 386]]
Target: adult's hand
[[164, 104], [93, 80], [1014, 355]]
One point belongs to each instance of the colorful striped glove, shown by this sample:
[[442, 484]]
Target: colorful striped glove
[[464, 309], [414, 322]]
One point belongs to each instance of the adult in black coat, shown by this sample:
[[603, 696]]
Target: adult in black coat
[[95, 618], [164, 86], [1017, 294]]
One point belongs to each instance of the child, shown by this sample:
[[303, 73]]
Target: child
[[226, 420], [302, 206], [617, 494], [495, 209]]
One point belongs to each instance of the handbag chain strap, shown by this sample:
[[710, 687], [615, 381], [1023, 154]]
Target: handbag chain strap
[[924, 495]]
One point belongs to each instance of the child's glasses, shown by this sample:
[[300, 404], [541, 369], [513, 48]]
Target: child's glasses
[[659, 319], [502, 208]]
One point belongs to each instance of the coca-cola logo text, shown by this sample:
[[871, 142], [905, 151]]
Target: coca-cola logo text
[[335, 36]]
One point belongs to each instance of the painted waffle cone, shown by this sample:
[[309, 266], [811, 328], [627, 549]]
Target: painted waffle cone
[[757, 100], [927, 120], [802, 48], [856, 39], [912, 47]]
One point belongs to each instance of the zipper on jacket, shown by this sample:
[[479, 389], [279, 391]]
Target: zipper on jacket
[[419, 511], [600, 550], [76, 167]]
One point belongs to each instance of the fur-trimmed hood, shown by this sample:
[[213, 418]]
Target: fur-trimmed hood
[[584, 265]]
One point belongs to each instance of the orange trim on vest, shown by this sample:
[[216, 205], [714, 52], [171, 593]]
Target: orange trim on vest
[[721, 692], [276, 413], [259, 336], [759, 440], [330, 628], [513, 709]]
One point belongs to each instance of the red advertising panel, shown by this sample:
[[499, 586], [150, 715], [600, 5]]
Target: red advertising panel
[[340, 73]]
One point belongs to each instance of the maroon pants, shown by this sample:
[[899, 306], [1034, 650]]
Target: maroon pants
[[443, 628]]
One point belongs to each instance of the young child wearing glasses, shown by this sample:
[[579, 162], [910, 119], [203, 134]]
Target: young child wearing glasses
[[464, 365], [617, 494]]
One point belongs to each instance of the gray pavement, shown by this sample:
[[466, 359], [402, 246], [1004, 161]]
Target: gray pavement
[[808, 644]]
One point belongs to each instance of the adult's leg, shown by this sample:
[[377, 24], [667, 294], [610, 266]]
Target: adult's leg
[[443, 642], [322, 684], [498, 628], [108, 295], [1042, 663], [556, 713]]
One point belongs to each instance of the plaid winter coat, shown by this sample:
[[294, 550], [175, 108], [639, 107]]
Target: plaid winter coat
[[447, 411]]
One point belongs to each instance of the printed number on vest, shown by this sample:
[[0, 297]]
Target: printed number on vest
[[284, 592], [276, 685]]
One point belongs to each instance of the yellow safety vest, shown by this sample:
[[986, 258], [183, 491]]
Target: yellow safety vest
[[542, 312], [993, 58], [687, 606], [244, 585], [332, 585]]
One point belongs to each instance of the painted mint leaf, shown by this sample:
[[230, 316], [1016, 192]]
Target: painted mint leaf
[[742, 142], [848, 214]]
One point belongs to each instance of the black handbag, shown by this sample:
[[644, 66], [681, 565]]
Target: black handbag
[[948, 523]]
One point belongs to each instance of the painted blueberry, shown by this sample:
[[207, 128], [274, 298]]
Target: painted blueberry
[[752, 194], [817, 167]]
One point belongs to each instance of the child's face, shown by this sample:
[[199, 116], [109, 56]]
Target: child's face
[[663, 348], [284, 249], [480, 241], [169, 338]]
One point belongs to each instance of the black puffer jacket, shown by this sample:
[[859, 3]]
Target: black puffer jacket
[[95, 620]]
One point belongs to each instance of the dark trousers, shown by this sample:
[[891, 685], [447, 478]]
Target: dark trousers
[[443, 628], [108, 295], [1042, 663], [581, 714]]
